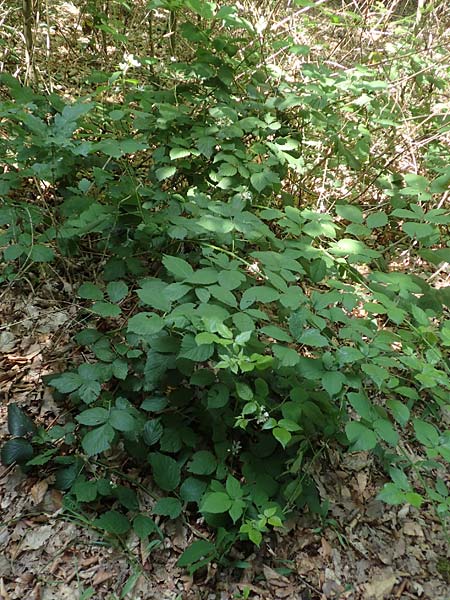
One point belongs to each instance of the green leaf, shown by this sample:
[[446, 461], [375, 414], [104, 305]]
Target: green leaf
[[152, 294], [288, 357], [205, 276], [377, 219], [85, 491], [400, 411], [350, 212], [391, 494], [89, 291], [143, 526], [361, 405], [198, 550], [377, 374], [426, 433], [16, 450], [67, 382], [106, 309], [117, 290], [19, 424], [121, 420], [216, 503], [386, 431], [113, 522], [89, 391], [233, 487], [168, 507], [192, 489], [145, 323], [152, 432], [155, 404], [276, 333], [166, 471], [282, 435], [93, 416], [332, 382], [98, 440], [259, 293], [42, 253], [190, 350], [179, 268], [263, 179], [176, 153], [360, 436], [165, 173], [202, 463], [313, 337], [418, 230]]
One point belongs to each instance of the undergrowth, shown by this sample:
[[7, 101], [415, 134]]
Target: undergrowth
[[266, 260]]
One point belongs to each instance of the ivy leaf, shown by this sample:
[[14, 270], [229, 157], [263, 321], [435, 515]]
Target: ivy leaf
[[216, 503], [98, 440], [166, 471]]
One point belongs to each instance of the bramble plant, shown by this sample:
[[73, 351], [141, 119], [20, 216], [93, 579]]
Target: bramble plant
[[237, 328]]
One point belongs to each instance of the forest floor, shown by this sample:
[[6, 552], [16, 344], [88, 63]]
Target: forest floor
[[364, 550]]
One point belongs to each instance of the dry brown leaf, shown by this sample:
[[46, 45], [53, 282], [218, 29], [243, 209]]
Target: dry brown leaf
[[38, 491], [380, 587]]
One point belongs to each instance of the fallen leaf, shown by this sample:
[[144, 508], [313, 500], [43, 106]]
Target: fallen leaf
[[38, 491], [36, 538], [380, 587]]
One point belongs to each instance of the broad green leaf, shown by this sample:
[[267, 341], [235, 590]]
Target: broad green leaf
[[426, 433], [145, 323], [350, 212], [42, 253], [177, 267], [259, 293], [233, 487], [332, 382], [67, 382], [196, 551], [85, 491], [386, 431], [377, 219], [105, 309], [202, 463], [282, 435], [93, 416], [168, 507], [418, 230], [166, 471], [176, 153], [98, 440], [198, 353], [143, 526], [152, 432], [360, 436], [117, 290], [276, 333], [377, 374], [113, 522], [313, 337], [230, 280], [192, 489], [216, 502], [19, 424], [155, 404], [89, 391], [16, 450], [121, 420], [391, 494], [361, 405], [400, 411], [152, 294], [89, 291], [165, 172], [288, 357]]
